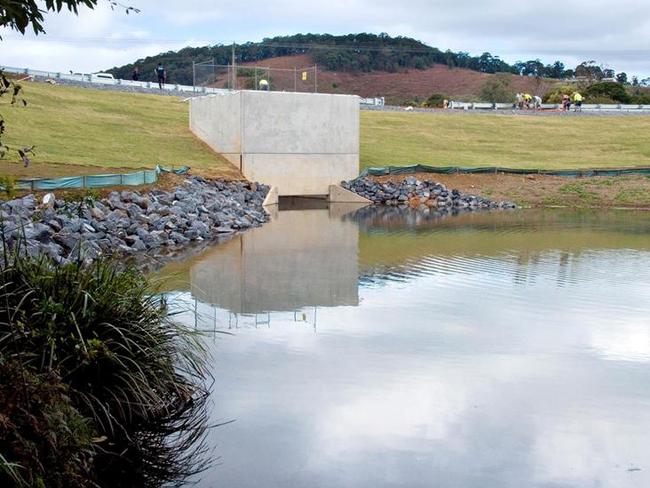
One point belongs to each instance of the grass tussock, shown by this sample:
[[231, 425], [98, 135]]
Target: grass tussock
[[98, 386]]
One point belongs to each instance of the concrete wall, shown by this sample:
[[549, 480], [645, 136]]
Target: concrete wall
[[300, 142]]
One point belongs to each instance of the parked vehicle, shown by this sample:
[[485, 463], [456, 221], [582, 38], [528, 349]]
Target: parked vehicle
[[102, 76]]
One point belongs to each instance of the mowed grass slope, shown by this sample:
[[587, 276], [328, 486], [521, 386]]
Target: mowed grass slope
[[82, 131], [547, 142]]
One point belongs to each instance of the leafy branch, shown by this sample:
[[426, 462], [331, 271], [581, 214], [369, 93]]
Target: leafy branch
[[15, 89], [20, 14]]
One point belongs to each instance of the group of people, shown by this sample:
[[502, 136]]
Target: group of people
[[527, 101], [160, 72], [575, 99]]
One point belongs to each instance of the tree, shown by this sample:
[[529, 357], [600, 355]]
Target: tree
[[555, 70], [622, 78], [533, 68], [21, 14], [590, 70], [608, 73], [497, 89]]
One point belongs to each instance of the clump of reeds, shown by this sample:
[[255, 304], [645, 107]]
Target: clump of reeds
[[92, 366]]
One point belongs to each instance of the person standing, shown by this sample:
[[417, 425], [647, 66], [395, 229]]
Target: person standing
[[136, 74], [577, 100], [566, 102], [538, 102], [161, 74], [519, 101]]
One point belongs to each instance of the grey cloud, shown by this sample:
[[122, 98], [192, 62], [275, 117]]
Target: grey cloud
[[616, 35]]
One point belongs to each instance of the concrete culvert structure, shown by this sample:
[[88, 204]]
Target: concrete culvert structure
[[301, 143]]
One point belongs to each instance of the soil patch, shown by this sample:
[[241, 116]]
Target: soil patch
[[545, 191]]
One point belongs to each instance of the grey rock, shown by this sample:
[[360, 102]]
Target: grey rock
[[178, 238], [96, 213], [37, 232], [55, 225], [68, 241]]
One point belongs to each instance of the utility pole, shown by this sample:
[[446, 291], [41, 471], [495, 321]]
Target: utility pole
[[234, 69]]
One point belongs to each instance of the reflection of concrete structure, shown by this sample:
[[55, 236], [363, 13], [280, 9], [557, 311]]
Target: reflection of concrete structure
[[304, 258], [300, 142]]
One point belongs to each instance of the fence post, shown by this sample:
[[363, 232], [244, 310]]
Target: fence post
[[193, 76], [83, 181], [255, 78], [295, 79], [315, 78]]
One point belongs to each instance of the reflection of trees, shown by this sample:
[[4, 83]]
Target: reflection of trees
[[383, 217]]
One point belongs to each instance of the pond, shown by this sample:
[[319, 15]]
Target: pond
[[384, 347]]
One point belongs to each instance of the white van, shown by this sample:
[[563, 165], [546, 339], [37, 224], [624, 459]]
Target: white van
[[102, 77]]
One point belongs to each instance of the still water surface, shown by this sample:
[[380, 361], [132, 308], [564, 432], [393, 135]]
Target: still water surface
[[380, 348]]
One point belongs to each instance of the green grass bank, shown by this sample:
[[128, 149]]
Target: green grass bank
[[546, 142], [84, 131]]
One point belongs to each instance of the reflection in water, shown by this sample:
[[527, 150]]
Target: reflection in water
[[501, 349]]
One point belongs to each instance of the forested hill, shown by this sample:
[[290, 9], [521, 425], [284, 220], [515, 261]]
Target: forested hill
[[348, 53]]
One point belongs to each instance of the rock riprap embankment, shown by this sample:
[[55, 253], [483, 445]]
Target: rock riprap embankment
[[415, 193], [129, 222]]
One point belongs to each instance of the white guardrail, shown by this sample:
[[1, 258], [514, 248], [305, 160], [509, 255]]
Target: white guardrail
[[376, 102], [549, 106], [99, 80]]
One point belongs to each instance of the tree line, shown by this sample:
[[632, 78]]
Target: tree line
[[359, 53]]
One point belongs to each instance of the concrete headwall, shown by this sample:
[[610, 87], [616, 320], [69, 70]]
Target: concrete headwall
[[300, 142]]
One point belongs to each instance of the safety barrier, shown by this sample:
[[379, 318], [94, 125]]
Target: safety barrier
[[601, 107], [375, 102], [96, 181], [98, 80], [93, 79], [421, 168]]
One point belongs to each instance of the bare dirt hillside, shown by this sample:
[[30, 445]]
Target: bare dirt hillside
[[398, 87]]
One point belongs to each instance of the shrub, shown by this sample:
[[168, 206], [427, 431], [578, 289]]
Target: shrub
[[555, 95], [435, 101], [640, 98], [42, 431], [608, 89], [130, 375]]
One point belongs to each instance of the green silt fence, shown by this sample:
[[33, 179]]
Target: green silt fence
[[97, 181], [421, 168]]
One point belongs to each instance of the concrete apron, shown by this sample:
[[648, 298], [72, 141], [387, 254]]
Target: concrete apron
[[337, 195]]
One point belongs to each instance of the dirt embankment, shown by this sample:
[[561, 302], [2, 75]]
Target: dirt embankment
[[396, 87], [541, 191]]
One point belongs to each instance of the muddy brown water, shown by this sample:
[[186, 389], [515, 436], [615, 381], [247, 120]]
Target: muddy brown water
[[385, 348]]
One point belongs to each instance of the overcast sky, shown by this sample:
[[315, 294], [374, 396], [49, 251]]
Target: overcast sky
[[616, 34]]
